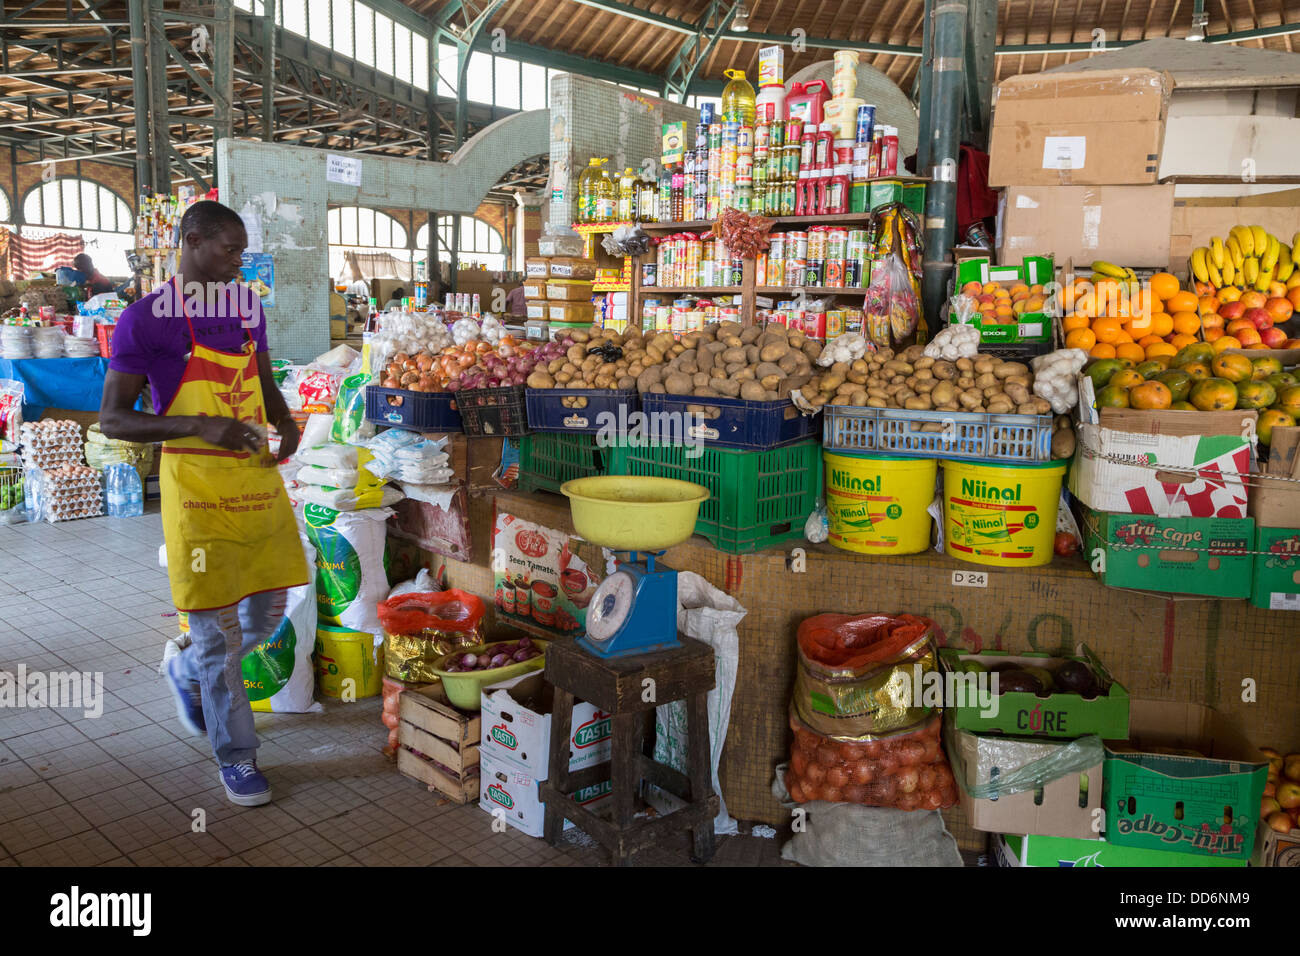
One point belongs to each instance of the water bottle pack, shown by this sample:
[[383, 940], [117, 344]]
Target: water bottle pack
[[124, 494]]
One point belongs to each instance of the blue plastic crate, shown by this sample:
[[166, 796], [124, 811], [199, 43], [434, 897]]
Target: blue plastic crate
[[979, 436], [418, 411], [740, 424], [546, 411]]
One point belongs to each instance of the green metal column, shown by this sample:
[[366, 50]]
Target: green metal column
[[268, 71], [432, 274], [981, 41], [140, 94], [946, 21], [161, 179], [223, 75]]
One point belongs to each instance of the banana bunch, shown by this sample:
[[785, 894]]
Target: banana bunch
[[1101, 269], [1248, 258]]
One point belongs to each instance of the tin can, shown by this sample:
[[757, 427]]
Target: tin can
[[776, 245], [814, 325], [692, 276], [729, 313], [813, 272], [842, 152], [715, 136], [678, 320], [760, 269], [852, 274], [797, 245], [796, 268], [858, 244], [745, 138], [837, 243], [866, 122], [744, 170], [834, 323], [649, 271], [816, 244], [853, 320], [834, 278], [775, 271]]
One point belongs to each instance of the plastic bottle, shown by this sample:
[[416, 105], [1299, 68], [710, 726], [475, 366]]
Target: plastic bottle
[[837, 190], [125, 497], [606, 194], [627, 188], [738, 99], [586, 211], [804, 101], [889, 152], [824, 145]]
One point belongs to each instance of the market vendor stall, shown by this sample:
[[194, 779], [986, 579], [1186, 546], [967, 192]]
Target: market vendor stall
[[72, 383]]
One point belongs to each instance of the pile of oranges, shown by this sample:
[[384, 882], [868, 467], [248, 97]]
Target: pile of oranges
[[1112, 318]]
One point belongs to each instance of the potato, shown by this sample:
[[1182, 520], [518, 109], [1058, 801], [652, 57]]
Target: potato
[[856, 377], [924, 386], [554, 365], [898, 367], [752, 391], [1007, 369], [734, 355], [987, 379], [651, 376], [577, 354], [658, 389], [964, 364], [676, 348], [772, 335], [705, 393], [678, 383], [965, 381], [687, 366], [701, 379], [563, 378], [925, 361], [788, 362], [726, 387], [971, 401], [580, 335], [873, 402], [932, 427], [654, 354], [1018, 394], [732, 342], [947, 406], [1026, 408], [751, 334], [770, 383], [539, 378], [753, 354], [944, 370], [859, 397], [921, 403], [767, 368], [942, 393], [812, 350], [790, 383], [746, 374], [999, 406], [1063, 443], [773, 352], [913, 352], [832, 380], [728, 329]]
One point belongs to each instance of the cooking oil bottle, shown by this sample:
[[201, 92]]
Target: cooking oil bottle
[[627, 190], [738, 99], [606, 193], [587, 190]]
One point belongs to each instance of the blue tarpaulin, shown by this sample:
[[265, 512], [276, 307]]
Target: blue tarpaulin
[[73, 383]]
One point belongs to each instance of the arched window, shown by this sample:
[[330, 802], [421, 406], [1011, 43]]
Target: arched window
[[83, 208], [355, 229], [480, 244], [4, 207]]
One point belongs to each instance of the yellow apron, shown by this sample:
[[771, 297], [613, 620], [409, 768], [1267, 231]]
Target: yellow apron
[[227, 520]]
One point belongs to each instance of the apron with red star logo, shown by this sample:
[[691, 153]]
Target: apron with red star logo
[[227, 520]]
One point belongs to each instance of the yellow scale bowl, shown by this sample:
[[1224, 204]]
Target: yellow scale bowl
[[631, 513]]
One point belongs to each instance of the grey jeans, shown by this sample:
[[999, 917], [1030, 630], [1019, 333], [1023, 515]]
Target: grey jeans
[[219, 640]]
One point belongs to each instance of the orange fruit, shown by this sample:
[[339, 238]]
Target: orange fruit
[[1162, 324], [1164, 286], [1181, 302], [1208, 304], [1074, 321], [1253, 300], [1107, 329], [1140, 302], [1080, 339], [1101, 350], [1213, 335], [1156, 349], [1179, 339], [1186, 322], [1150, 395], [1149, 340], [1122, 337], [1226, 342], [1131, 350]]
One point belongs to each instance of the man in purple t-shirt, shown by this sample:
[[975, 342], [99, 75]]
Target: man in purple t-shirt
[[200, 342]]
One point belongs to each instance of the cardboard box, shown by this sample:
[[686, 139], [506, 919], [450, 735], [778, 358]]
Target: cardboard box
[[536, 310], [882, 192], [1123, 224], [571, 312], [1276, 504], [568, 290], [1196, 219], [1276, 578], [1276, 849], [1065, 806], [1033, 270], [1011, 850], [1228, 145], [1099, 128], [537, 267], [1056, 715], [517, 726], [1204, 557], [513, 790], [1204, 800], [534, 288], [1171, 464], [674, 143]]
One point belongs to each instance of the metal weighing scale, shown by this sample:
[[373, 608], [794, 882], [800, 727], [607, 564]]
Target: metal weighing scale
[[634, 610]]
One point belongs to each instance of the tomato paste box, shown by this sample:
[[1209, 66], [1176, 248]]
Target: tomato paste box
[[517, 726]]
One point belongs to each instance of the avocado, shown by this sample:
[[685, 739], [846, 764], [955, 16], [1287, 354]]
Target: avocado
[[1044, 677], [1076, 677], [1018, 681]]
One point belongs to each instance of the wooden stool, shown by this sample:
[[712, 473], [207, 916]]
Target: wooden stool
[[615, 685]]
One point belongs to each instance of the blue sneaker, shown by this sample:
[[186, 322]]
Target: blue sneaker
[[245, 785], [189, 705]]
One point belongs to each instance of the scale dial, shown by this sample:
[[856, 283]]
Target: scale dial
[[610, 606]]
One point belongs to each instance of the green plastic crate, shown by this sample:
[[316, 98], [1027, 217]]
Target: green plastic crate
[[549, 459], [756, 498]]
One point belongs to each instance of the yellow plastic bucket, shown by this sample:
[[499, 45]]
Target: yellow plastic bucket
[[875, 504], [342, 655], [1003, 515]]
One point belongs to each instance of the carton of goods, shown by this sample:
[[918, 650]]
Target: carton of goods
[[1168, 463], [534, 288], [517, 726], [1019, 785], [1276, 849], [1276, 577], [1007, 303], [572, 267], [1099, 128], [568, 290], [883, 192], [537, 310], [1128, 224], [1015, 850], [1185, 780], [1205, 557], [537, 267], [438, 744], [581, 313], [511, 791], [1038, 695], [1275, 505]]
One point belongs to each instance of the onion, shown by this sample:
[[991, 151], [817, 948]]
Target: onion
[[468, 660], [500, 660], [520, 656], [525, 642]]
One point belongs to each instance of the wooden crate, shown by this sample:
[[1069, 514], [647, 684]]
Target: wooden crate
[[430, 733]]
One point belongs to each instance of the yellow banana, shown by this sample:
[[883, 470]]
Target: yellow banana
[[1245, 239], [1229, 271], [1098, 277], [1295, 241], [1250, 270], [1285, 264], [1261, 239], [1264, 280], [1198, 263], [1109, 269], [1268, 259], [1213, 276], [1233, 248], [1216, 251], [1294, 281]]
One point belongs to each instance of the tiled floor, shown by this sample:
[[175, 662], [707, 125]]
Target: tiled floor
[[130, 788]]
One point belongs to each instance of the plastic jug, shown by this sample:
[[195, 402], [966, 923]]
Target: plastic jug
[[738, 99], [805, 101], [770, 104]]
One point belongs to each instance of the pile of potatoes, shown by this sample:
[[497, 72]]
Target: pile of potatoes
[[913, 380]]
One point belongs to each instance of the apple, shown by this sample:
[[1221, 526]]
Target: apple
[[1281, 822], [1270, 788], [1267, 807], [1291, 766], [1288, 794], [1232, 310], [1259, 318], [1274, 338]]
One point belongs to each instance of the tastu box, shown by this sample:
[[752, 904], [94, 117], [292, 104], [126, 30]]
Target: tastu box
[[517, 726], [1009, 850], [513, 790]]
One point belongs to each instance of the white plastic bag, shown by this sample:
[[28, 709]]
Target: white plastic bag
[[350, 575], [712, 616], [329, 455]]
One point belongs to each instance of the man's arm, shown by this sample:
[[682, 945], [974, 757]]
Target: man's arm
[[119, 419], [277, 410]]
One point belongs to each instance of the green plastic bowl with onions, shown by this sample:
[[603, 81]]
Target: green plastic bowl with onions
[[464, 687]]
